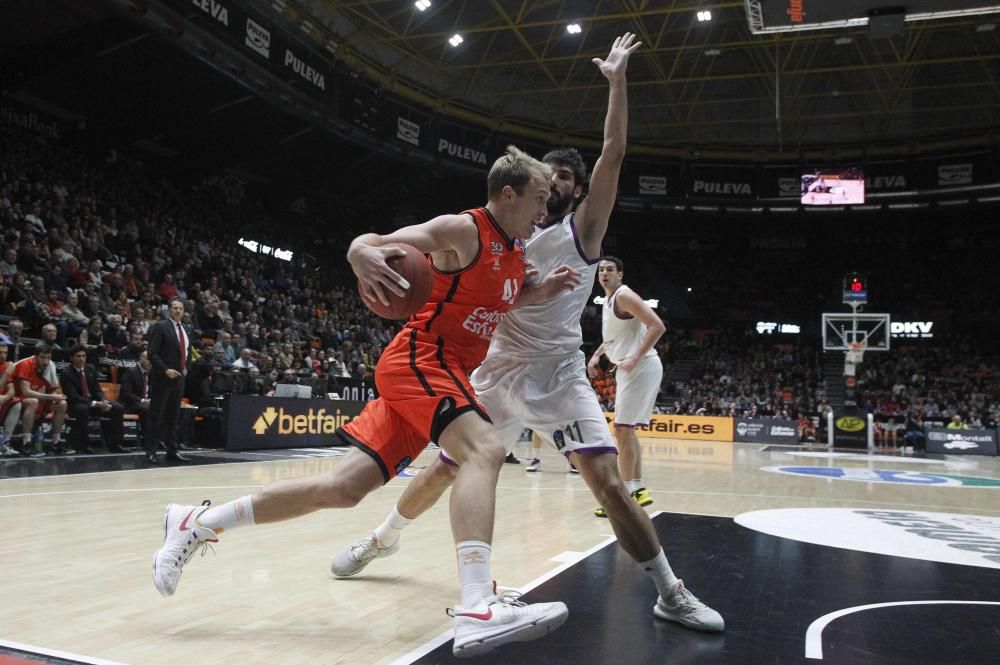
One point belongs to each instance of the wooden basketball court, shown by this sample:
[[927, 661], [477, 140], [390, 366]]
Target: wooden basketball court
[[75, 562]]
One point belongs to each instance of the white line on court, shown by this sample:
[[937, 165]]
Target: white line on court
[[41, 651], [814, 634]]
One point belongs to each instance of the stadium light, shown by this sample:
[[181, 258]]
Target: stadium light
[[574, 28], [422, 5], [456, 39], [705, 16]]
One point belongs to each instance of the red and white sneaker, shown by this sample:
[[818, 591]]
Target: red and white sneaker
[[182, 537], [501, 619]]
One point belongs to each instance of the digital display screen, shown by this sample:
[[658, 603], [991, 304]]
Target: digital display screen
[[833, 187]]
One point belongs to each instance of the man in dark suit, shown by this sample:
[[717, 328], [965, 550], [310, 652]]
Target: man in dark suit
[[86, 398], [170, 354], [134, 393]]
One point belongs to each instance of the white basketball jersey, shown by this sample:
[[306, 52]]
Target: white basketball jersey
[[622, 337], [552, 327]]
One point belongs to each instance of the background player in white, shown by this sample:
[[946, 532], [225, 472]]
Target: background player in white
[[535, 376], [629, 330]]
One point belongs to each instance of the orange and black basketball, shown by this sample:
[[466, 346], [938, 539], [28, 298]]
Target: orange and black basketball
[[415, 268]]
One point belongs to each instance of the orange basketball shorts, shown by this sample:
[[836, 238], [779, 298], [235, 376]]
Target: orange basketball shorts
[[422, 389]]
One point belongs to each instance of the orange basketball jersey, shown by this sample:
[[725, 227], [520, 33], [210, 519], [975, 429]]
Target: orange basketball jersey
[[466, 306]]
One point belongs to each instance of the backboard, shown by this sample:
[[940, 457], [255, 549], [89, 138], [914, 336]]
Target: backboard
[[841, 329]]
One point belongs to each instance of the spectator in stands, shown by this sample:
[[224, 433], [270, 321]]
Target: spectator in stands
[[914, 434], [21, 303], [134, 394], [115, 333], [225, 344], [245, 361], [75, 319], [166, 290], [129, 355], [37, 385], [209, 321], [956, 423], [50, 335], [14, 345], [85, 398], [8, 264], [92, 338], [138, 319], [107, 299]]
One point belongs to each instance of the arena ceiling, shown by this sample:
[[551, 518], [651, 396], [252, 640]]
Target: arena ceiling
[[694, 83]]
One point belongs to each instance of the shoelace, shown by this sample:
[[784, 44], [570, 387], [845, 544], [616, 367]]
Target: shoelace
[[504, 595], [196, 546], [364, 550], [688, 601], [509, 596]]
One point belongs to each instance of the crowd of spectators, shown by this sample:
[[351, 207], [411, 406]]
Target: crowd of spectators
[[931, 382], [92, 253], [736, 376]]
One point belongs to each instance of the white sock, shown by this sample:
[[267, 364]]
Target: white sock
[[388, 532], [659, 570], [10, 422], [632, 485], [638, 484], [474, 571], [238, 512]]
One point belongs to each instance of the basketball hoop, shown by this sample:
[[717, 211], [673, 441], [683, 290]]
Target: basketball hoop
[[855, 352]]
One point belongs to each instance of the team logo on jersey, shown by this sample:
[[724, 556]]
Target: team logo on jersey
[[496, 247], [496, 264], [559, 439]]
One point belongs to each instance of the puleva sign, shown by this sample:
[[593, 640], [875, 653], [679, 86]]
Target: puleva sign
[[971, 540]]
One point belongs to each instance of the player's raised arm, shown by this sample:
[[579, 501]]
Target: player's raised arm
[[367, 254], [593, 214]]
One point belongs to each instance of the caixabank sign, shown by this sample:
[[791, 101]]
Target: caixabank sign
[[253, 423], [765, 430], [667, 426], [961, 441]]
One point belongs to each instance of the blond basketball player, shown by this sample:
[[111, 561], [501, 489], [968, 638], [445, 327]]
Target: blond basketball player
[[424, 395], [629, 329], [534, 374]]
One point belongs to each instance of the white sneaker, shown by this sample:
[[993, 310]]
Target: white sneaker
[[534, 466], [683, 607], [501, 619], [6, 450], [352, 559], [182, 537]]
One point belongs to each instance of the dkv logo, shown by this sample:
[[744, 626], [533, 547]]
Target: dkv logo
[[313, 421]]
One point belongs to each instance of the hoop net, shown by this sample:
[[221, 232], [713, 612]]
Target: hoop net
[[855, 352]]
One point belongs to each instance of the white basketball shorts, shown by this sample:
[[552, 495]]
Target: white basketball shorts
[[553, 397], [636, 391]]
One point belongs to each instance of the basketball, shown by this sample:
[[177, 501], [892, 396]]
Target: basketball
[[416, 269]]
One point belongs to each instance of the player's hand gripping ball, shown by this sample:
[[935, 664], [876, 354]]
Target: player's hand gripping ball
[[415, 268]]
